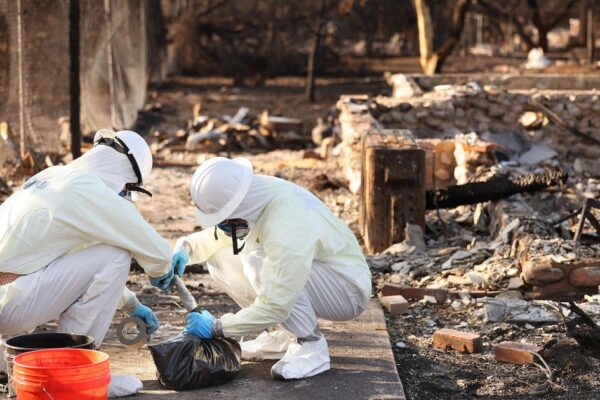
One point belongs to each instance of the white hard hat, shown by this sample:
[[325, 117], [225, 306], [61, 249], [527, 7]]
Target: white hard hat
[[218, 187], [136, 146]]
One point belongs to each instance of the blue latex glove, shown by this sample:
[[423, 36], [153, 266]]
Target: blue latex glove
[[200, 324], [180, 260], [145, 314], [163, 282]]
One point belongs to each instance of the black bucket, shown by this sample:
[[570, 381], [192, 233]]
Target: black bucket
[[37, 341]]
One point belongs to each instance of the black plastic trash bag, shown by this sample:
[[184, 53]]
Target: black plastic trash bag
[[187, 362]]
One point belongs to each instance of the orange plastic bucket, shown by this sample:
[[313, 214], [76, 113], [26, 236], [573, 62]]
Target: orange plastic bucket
[[69, 374]]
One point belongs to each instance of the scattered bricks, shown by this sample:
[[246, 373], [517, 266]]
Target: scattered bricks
[[541, 272], [585, 277], [560, 291], [515, 353], [554, 279], [411, 293], [457, 340], [395, 304], [391, 289]]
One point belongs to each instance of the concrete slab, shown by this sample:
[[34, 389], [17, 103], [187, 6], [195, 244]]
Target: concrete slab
[[363, 367]]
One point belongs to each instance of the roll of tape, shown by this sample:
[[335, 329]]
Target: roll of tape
[[132, 331]]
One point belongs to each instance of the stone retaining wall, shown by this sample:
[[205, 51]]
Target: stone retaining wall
[[490, 110]]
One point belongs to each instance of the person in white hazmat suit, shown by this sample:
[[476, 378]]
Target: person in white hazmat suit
[[282, 256], [67, 238]]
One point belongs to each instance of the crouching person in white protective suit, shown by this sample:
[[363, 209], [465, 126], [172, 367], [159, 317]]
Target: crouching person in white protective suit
[[282, 256], [67, 238]]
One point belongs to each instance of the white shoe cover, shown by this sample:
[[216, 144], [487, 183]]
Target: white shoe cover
[[267, 346], [303, 360], [123, 385]]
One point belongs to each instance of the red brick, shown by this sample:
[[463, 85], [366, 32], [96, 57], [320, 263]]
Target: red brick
[[391, 289], [411, 293], [457, 340], [541, 272], [516, 353], [395, 304], [585, 277]]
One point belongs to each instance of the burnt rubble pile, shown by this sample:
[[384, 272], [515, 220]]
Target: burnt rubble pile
[[243, 131], [523, 244]]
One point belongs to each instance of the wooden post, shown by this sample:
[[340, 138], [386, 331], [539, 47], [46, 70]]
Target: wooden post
[[74, 85], [109, 61], [143, 45], [20, 79], [510, 34], [590, 31], [393, 187], [479, 18]]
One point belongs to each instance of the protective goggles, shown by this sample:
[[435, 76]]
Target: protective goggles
[[236, 229], [126, 194], [120, 146]]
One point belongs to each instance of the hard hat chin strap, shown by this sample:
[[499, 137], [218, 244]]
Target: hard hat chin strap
[[120, 146], [132, 187], [236, 249]]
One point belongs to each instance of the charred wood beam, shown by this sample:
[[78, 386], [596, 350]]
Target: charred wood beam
[[493, 189]]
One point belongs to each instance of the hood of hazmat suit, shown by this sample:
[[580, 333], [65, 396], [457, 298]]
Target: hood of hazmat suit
[[291, 228]]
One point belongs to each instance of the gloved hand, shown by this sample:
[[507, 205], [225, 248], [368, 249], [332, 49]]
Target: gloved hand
[[163, 282], [200, 324], [145, 314], [180, 260]]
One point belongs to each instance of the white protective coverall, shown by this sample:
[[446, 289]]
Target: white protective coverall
[[299, 262], [71, 236]]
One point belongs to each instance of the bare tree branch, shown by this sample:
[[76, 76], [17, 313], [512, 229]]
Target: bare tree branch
[[208, 10], [561, 15], [495, 11]]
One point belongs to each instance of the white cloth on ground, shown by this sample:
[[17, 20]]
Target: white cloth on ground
[[81, 289], [294, 230], [123, 385]]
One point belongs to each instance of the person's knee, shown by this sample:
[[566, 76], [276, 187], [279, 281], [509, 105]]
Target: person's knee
[[350, 308]]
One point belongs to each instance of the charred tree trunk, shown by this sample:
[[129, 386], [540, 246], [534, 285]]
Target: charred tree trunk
[[310, 70], [432, 60], [456, 28], [494, 189], [536, 18]]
